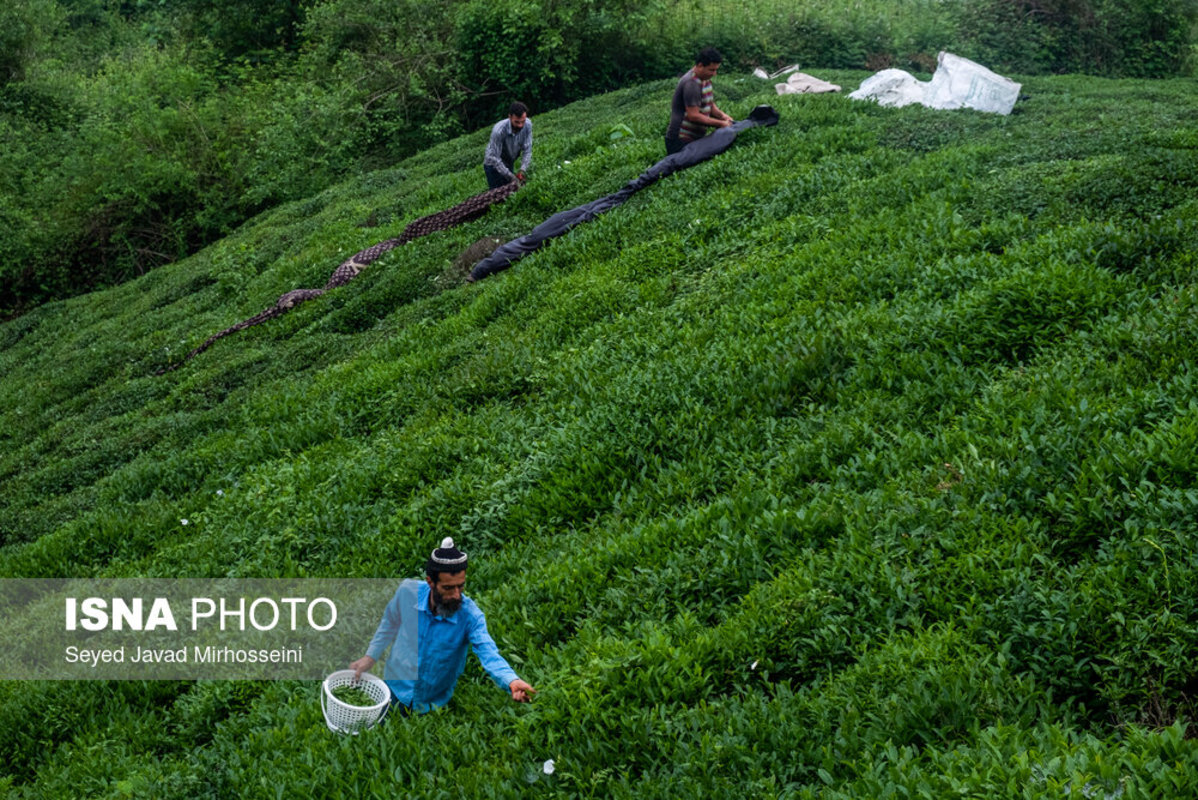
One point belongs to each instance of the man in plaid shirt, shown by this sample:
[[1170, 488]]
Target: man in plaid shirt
[[509, 138]]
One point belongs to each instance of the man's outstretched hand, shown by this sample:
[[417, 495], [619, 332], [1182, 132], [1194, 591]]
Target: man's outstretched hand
[[521, 691]]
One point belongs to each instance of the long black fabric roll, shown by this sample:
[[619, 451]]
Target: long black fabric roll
[[694, 153]]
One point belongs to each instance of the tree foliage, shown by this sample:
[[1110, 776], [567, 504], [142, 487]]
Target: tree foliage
[[1103, 37]]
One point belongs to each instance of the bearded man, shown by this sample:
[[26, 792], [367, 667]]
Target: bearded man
[[428, 628], [510, 137]]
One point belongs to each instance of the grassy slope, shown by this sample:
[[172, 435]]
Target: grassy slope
[[862, 456]]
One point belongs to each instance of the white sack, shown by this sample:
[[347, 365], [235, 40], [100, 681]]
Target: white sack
[[891, 87], [957, 83], [960, 83]]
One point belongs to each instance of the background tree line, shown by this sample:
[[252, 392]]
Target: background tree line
[[138, 131]]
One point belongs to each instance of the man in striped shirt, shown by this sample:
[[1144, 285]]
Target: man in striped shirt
[[693, 109], [509, 138]]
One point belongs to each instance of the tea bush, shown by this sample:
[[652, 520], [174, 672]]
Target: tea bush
[[857, 461]]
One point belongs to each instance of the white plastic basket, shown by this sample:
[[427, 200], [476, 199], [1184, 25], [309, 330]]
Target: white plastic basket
[[341, 717]]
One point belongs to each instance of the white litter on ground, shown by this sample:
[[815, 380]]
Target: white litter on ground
[[797, 83], [769, 76]]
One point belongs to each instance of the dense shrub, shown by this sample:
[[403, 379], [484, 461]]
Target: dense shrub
[[1151, 38]]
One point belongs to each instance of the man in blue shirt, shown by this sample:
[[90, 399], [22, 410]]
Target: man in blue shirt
[[510, 137], [427, 627]]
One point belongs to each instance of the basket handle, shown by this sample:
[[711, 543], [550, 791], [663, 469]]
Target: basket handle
[[387, 708]]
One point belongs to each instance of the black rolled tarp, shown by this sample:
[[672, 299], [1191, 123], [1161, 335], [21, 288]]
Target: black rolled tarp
[[694, 153]]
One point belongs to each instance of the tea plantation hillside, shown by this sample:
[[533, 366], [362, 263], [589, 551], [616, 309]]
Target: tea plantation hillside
[[859, 461]]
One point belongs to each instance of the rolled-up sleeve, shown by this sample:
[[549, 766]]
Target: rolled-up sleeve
[[488, 653], [384, 635]]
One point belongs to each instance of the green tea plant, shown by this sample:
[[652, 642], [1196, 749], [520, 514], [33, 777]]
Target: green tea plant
[[354, 696], [857, 461]]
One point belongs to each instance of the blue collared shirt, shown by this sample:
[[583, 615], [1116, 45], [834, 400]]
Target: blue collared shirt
[[440, 648]]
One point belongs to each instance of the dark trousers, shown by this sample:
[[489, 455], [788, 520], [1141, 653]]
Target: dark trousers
[[494, 178], [674, 144], [397, 707]]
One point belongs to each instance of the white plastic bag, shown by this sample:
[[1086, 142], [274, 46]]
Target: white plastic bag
[[957, 83], [960, 83], [891, 87]]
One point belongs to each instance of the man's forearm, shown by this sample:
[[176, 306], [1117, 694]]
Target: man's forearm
[[705, 119]]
